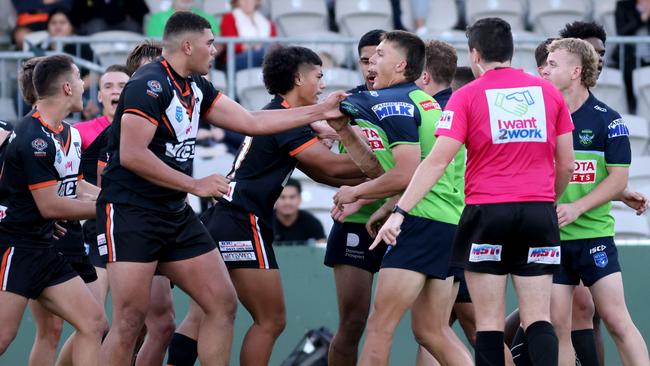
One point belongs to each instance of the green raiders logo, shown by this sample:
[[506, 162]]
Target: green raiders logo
[[586, 137], [349, 109]]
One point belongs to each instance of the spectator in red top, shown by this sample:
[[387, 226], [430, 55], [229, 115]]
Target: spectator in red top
[[246, 21]]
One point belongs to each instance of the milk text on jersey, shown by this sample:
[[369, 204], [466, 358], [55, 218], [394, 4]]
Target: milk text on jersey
[[517, 114], [384, 110]]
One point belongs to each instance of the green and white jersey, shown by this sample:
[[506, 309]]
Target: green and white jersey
[[600, 140], [404, 114]]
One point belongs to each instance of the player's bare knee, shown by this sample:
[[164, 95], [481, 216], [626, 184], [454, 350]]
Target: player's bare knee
[[161, 326], [352, 325], [616, 323], [130, 321], [50, 334]]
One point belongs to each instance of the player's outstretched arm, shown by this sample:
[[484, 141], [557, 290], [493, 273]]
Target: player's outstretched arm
[[564, 162], [87, 191], [135, 136], [318, 158], [53, 206], [226, 113], [634, 200], [358, 149]]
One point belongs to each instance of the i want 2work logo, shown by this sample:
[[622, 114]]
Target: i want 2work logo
[[517, 115]]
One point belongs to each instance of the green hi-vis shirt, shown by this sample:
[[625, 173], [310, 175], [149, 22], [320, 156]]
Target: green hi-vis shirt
[[404, 114], [600, 140]]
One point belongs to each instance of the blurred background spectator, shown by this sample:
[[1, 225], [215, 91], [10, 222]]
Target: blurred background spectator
[[33, 15], [246, 21], [157, 21], [291, 225], [632, 20], [92, 16]]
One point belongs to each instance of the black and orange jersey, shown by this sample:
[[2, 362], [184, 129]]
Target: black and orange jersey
[[263, 165], [37, 156], [174, 105]]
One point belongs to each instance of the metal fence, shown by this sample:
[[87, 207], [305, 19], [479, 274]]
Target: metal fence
[[343, 47]]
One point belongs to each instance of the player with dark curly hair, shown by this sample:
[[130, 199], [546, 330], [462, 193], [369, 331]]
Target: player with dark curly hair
[[591, 32], [240, 222]]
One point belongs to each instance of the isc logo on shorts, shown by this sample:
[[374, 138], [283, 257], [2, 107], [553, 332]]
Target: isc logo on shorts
[[544, 255], [485, 252]]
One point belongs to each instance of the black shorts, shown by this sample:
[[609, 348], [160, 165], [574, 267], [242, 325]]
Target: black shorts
[[463, 291], [133, 234], [243, 239], [90, 241], [348, 244], [588, 260], [81, 264], [28, 271], [423, 246], [521, 238]]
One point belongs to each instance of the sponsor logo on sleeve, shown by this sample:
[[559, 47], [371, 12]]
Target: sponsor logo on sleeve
[[544, 255], [446, 120], [39, 146], [517, 115], [154, 86], [236, 246], [617, 128], [584, 171], [485, 253], [349, 109], [374, 139], [428, 105], [389, 109]]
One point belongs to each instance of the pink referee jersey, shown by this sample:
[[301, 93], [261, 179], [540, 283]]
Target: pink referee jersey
[[90, 129], [509, 121]]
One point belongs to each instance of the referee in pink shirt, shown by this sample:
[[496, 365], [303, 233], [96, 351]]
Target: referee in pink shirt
[[517, 130]]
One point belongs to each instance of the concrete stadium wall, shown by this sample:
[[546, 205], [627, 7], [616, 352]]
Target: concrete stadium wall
[[311, 303]]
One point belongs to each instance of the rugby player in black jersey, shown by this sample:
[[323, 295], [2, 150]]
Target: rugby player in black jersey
[[240, 223], [144, 222], [40, 182]]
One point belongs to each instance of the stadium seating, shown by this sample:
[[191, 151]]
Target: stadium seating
[[297, 17], [604, 14], [443, 16], [549, 16], [34, 39], [8, 110], [630, 226], [510, 10], [340, 79], [250, 88], [217, 7], [339, 52], [524, 54], [639, 172], [356, 17], [639, 134], [641, 85], [114, 52], [611, 89], [219, 80]]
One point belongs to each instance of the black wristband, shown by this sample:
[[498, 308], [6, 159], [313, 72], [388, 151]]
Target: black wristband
[[399, 210]]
